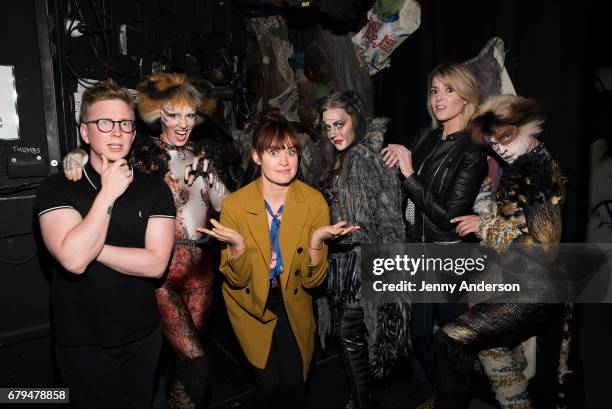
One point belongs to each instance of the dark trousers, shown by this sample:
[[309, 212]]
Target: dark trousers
[[355, 356], [118, 378], [280, 384], [422, 332]]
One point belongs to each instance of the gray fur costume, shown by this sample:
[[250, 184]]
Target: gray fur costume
[[365, 192]]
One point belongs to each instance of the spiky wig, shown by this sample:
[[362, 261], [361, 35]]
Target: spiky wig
[[501, 110], [174, 89]]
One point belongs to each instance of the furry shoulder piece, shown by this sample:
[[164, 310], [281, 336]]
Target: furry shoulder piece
[[376, 129], [174, 89], [501, 110], [533, 178], [529, 200], [149, 156], [370, 192]]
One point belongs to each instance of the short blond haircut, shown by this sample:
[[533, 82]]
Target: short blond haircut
[[104, 91]]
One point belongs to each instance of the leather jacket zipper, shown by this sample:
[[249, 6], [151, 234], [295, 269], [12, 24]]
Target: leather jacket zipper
[[432, 179], [418, 174], [442, 181]]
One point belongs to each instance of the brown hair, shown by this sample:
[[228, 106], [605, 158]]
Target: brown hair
[[275, 131], [352, 104], [104, 91], [461, 79], [500, 110]]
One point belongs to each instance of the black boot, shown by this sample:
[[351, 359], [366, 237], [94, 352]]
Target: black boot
[[189, 383], [355, 356], [454, 367]]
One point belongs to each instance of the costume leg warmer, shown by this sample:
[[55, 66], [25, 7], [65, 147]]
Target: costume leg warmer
[[507, 379]]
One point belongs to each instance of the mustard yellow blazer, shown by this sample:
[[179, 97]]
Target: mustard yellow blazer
[[246, 285]]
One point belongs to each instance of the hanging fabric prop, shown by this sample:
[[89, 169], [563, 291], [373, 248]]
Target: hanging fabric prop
[[489, 70], [279, 88], [347, 72]]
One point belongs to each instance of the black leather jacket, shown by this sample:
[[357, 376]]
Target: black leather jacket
[[448, 175]]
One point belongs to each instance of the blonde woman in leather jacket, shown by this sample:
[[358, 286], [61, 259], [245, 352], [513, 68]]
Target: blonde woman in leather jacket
[[443, 170]]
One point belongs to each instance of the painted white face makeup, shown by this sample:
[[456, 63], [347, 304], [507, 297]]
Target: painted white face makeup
[[177, 124], [509, 144], [338, 128]]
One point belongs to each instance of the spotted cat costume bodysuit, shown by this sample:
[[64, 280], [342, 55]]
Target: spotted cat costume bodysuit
[[186, 296]]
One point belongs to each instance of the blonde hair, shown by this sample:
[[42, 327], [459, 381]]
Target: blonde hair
[[461, 79]]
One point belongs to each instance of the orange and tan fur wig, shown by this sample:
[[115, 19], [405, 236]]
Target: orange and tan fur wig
[[175, 90]]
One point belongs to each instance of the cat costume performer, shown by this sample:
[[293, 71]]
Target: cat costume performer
[[186, 297], [527, 210]]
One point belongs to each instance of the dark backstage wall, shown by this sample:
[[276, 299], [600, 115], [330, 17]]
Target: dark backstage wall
[[249, 56]]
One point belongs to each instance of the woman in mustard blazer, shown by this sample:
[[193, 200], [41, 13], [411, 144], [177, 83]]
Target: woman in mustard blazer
[[275, 229]]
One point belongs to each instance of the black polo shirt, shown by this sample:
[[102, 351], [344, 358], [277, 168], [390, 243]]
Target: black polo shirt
[[102, 306]]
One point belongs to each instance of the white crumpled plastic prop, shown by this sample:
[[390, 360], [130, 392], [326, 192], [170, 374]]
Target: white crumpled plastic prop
[[382, 35]]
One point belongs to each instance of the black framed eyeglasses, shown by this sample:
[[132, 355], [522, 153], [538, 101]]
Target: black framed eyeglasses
[[106, 125]]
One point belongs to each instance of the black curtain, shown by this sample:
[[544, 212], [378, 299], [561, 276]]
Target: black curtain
[[545, 56]]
